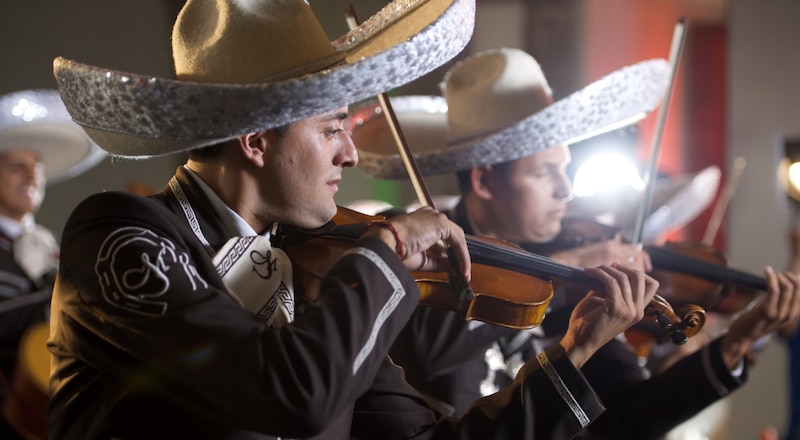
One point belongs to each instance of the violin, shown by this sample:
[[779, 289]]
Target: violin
[[688, 273], [700, 273], [510, 287]]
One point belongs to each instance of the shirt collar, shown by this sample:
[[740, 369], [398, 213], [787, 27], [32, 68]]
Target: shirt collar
[[13, 228], [234, 223]]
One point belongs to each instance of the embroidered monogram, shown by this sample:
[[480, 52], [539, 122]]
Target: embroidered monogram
[[264, 264], [259, 276], [137, 281]]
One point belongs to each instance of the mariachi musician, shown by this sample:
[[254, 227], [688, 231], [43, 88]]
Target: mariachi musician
[[509, 152], [39, 145]]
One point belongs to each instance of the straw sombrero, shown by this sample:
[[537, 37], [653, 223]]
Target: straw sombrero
[[498, 107], [249, 65], [37, 120]]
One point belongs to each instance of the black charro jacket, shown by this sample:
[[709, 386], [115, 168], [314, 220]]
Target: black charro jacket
[[147, 343]]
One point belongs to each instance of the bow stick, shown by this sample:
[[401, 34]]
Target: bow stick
[[722, 204], [678, 37], [457, 280]]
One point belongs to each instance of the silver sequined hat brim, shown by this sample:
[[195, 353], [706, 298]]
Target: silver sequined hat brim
[[136, 115], [618, 99], [38, 120]]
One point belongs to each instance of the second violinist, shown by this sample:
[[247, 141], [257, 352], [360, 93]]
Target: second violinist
[[506, 140]]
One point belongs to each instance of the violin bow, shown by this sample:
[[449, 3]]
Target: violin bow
[[678, 38], [457, 280], [724, 200]]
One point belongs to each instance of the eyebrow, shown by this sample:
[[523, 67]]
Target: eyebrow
[[339, 116]]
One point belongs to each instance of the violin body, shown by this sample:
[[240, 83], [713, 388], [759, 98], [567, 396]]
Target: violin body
[[700, 274], [499, 296], [683, 288]]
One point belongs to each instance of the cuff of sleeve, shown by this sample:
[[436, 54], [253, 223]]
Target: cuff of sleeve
[[568, 382], [722, 379]]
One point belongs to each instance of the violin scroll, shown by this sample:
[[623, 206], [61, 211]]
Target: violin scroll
[[679, 328]]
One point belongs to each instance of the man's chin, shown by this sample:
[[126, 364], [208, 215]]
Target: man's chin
[[546, 236], [321, 217]]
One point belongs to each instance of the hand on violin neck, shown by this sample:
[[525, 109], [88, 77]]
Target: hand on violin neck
[[777, 307], [602, 315], [417, 238]]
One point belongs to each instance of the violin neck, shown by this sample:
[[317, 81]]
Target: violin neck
[[520, 260], [669, 260]]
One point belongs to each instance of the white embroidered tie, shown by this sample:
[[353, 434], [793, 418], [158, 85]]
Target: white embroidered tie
[[259, 276], [36, 252]]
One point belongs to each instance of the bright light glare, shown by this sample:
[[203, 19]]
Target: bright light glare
[[794, 175], [604, 173]]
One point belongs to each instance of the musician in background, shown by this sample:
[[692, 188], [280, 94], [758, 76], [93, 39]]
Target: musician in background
[[508, 147], [39, 143], [790, 335]]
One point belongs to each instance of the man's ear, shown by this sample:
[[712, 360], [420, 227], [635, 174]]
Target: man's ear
[[480, 178], [254, 147]]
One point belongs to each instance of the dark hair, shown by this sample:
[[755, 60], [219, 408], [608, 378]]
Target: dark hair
[[281, 131], [210, 151], [465, 181]]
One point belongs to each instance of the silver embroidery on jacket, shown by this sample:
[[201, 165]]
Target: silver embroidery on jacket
[[562, 389], [387, 309], [137, 282]]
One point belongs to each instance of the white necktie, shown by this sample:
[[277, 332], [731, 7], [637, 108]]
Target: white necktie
[[259, 276], [36, 252]]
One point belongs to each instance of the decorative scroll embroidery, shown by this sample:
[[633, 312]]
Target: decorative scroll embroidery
[[136, 282], [562, 389], [189, 213], [398, 294]]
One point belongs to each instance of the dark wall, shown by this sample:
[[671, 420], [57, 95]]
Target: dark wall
[[127, 35]]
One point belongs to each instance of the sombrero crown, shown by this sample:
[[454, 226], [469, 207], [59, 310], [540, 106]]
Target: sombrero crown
[[499, 108], [38, 120], [249, 65]]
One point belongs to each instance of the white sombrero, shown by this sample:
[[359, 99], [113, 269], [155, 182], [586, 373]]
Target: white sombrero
[[37, 120], [498, 107], [423, 122], [249, 65]]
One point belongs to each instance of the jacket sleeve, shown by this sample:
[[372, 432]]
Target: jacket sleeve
[[549, 399], [640, 408], [444, 356], [138, 300]]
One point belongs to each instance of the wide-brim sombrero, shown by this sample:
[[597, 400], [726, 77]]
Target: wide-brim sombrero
[[616, 100], [38, 120], [423, 122], [137, 115]]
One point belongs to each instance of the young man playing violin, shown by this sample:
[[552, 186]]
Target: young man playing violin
[[182, 315], [507, 141]]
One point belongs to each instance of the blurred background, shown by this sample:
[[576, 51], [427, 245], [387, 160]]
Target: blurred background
[[737, 95]]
